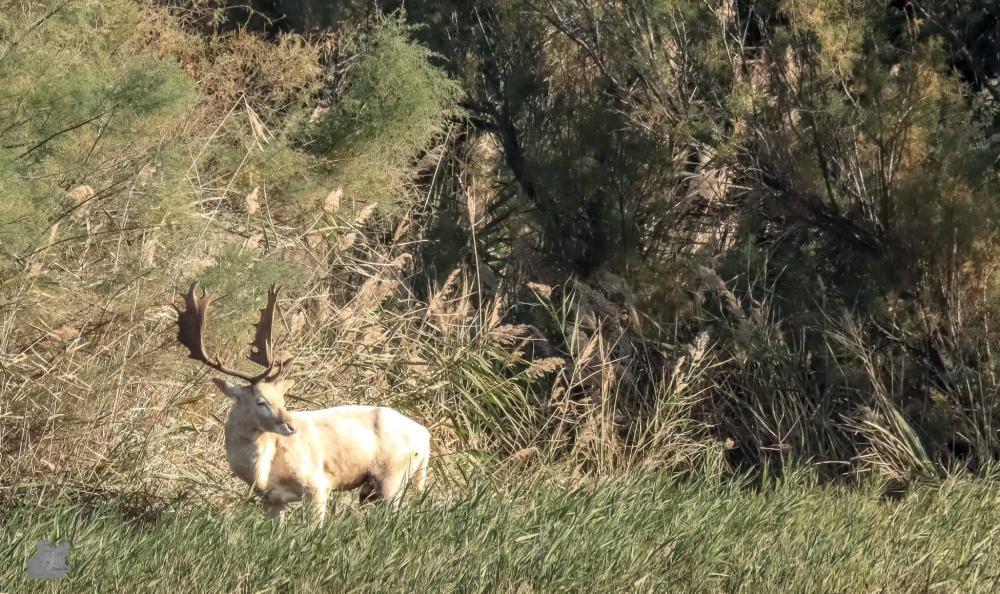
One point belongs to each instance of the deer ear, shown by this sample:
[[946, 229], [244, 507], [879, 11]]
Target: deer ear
[[284, 386], [232, 390]]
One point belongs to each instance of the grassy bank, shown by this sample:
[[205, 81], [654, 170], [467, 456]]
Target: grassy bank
[[638, 535]]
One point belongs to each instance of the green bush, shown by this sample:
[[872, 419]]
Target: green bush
[[396, 106], [80, 106]]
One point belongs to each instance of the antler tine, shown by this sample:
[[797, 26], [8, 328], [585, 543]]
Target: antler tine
[[281, 364], [260, 349], [191, 327]]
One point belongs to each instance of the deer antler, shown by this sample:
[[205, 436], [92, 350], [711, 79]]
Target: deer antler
[[260, 348], [261, 351], [191, 329]]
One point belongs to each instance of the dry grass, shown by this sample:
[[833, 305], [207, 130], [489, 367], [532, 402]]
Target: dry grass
[[97, 392]]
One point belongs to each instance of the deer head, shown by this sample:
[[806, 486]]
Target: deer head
[[263, 401]]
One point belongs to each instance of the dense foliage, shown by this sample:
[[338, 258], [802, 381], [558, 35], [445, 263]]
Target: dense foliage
[[692, 235]]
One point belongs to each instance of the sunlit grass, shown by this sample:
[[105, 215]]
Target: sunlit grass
[[637, 535]]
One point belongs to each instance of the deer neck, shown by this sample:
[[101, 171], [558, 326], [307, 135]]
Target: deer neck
[[249, 450]]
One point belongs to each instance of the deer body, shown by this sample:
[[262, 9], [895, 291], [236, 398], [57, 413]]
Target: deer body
[[286, 456]]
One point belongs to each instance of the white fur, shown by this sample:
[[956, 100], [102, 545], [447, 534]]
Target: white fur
[[373, 448]]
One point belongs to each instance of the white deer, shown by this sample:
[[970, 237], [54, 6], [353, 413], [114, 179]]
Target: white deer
[[285, 455]]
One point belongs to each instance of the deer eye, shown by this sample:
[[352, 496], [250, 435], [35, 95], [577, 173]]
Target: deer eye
[[262, 402]]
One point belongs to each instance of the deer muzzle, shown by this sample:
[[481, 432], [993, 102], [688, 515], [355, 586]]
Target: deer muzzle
[[286, 429]]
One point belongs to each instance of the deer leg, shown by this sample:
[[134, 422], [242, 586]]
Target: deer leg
[[368, 494], [319, 497], [274, 510], [393, 487], [419, 480]]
